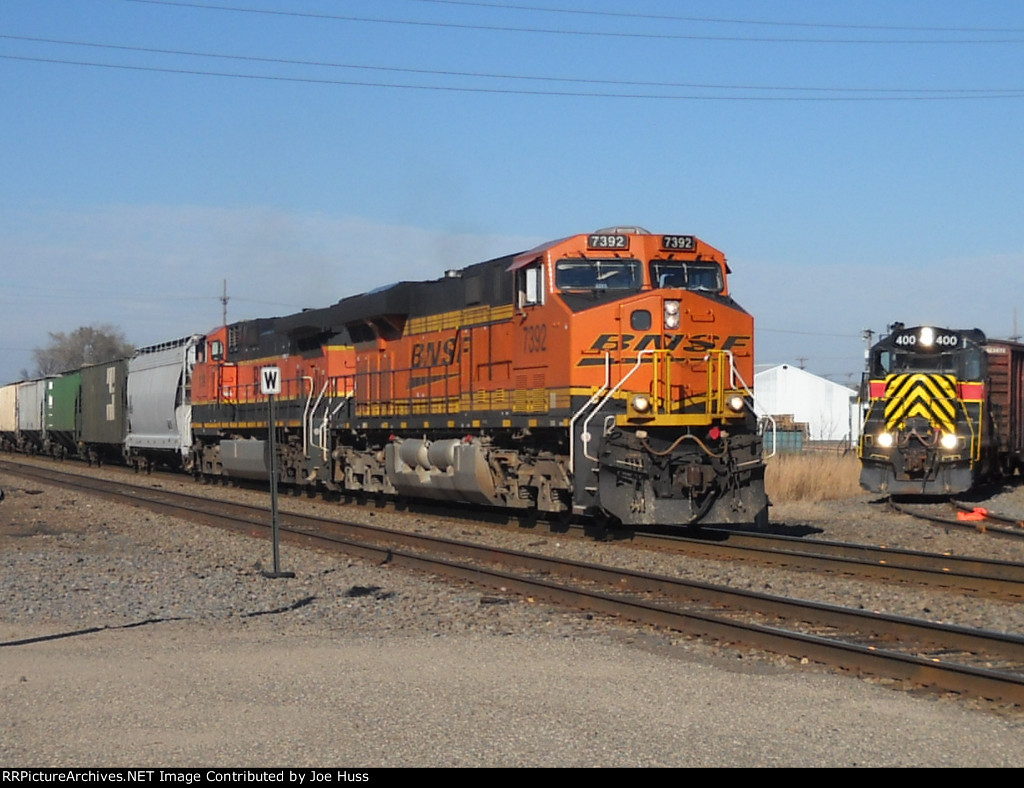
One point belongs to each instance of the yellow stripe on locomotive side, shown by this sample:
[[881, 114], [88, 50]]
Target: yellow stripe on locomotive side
[[459, 318]]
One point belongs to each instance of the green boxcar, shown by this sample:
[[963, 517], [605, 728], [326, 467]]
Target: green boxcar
[[60, 413]]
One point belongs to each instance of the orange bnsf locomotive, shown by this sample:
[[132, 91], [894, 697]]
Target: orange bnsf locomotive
[[945, 411], [599, 374]]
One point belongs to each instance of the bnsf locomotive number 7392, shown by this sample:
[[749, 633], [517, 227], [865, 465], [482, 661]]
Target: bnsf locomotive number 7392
[[602, 374]]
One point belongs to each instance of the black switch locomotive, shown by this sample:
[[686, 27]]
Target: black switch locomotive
[[944, 411]]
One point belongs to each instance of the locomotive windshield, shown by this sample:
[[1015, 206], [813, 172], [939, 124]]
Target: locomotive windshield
[[589, 274], [966, 363], [688, 275]]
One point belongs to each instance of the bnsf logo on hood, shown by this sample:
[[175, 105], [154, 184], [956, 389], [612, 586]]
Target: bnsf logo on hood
[[697, 343], [434, 354]]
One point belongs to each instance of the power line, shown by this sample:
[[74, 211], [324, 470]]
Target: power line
[[966, 92], [805, 333], [20, 293], [563, 32], [714, 20], [1008, 94]]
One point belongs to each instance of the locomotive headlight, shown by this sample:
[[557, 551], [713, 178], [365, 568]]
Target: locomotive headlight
[[927, 337], [948, 440], [735, 403], [671, 314], [641, 403], [884, 439]]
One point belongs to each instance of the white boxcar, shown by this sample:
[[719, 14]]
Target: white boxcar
[[159, 409], [9, 411], [31, 395]]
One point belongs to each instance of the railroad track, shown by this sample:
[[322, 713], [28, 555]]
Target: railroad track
[[966, 516], [992, 577], [968, 575], [942, 657]]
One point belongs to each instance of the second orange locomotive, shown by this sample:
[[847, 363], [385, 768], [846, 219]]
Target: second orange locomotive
[[599, 374]]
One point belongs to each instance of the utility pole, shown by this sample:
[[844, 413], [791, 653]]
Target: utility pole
[[224, 304], [868, 335]]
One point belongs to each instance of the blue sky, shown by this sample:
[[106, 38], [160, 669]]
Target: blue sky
[[858, 163]]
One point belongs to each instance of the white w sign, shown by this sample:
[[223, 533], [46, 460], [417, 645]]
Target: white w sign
[[270, 380]]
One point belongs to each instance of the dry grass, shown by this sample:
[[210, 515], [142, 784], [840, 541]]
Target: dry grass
[[812, 476]]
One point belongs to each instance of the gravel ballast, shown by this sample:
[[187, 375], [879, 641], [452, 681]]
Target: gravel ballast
[[134, 639]]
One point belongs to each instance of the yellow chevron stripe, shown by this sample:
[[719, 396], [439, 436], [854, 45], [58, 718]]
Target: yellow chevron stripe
[[929, 396]]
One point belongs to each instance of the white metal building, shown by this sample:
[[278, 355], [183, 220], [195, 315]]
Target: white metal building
[[829, 409]]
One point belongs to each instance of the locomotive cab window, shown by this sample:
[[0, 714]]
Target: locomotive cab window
[[968, 364], [888, 362], [593, 275], [530, 285], [974, 364], [687, 275], [881, 363]]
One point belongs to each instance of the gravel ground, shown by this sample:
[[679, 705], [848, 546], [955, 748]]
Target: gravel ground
[[129, 638]]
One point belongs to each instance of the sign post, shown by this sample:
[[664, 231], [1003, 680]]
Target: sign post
[[270, 385]]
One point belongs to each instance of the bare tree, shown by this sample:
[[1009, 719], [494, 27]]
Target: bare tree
[[85, 345]]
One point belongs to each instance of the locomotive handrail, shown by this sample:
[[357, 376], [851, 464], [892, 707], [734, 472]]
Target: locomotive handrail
[[583, 408], [775, 438], [309, 415], [343, 398], [734, 375], [585, 435], [320, 434], [324, 430], [305, 414], [717, 385], [975, 444]]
